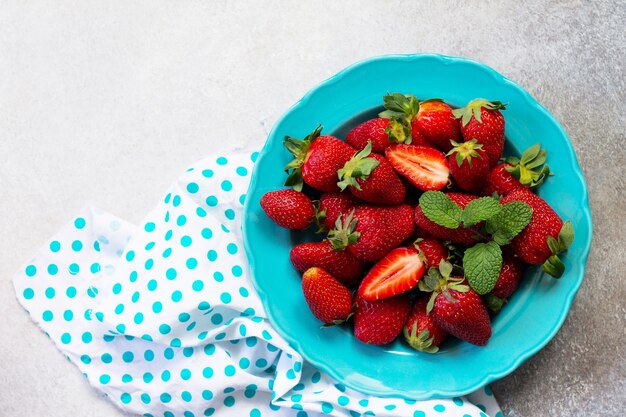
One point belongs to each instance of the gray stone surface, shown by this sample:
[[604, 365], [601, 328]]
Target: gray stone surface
[[105, 102]]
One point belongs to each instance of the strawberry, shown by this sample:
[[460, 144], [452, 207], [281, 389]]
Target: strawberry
[[316, 160], [421, 332], [437, 124], [431, 251], [329, 301], [469, 165], [288, 208], [509, 278], [455, 307], [482, 120], [463, 236], [332, 205], [426, 168], [373, 130], [339, 263], [371, 178], [380, 322], [526, 172], [371, 232], [398, 272], [401, 110], [545, 236]]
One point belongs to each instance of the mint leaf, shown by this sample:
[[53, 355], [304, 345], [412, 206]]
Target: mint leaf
[[480, 210], [439, 208], [482, 263], [509, 222]]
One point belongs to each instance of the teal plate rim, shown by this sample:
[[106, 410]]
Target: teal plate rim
[[489, 376]]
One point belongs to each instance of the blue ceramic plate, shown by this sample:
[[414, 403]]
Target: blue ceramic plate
[[531, 318]]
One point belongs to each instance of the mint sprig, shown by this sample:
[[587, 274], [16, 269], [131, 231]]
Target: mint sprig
[[509, 221], [439, 208], [482, 263], [480, 210]]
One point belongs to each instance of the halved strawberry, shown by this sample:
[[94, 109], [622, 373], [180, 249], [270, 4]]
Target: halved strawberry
[[426, 168], [396, 273]]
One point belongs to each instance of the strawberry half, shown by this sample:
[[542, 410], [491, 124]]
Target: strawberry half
[[398, 272], [288, 208], [421, 332], [339, 263], [426, 168], [380, 322], [329, 301]]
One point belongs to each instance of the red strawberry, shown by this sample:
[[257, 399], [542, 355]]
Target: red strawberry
[[455, 307], [515, 173], [329, 301], [398, 272], [437, 124], [380, 322], [402, 109], [426, 168], [339, 263], [371, 178], [482, 120], [421, 332], [333, 205], [317, 160], [461, 235], [469, 165], [545, 236], [431, 251], [288, 208], [509, 278], [373, 130], [371, 232]]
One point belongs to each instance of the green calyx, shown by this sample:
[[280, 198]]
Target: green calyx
[[343, 234], [531, 169], [473, 109], [399, 131], [337, 322], [400, 106], [299, 149], [465, 151], [421, 341], [438, 281], [320, 216], [553, 265], [493, 303], [360, 166]]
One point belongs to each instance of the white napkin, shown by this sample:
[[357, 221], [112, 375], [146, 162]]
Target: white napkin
[[164, 320]]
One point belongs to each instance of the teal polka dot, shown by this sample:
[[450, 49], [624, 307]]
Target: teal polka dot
[[457, 401], [260, 363], [168, 235], [117, 288], [94, 268], [207, 372], [218, 276], [488, 390], [53, 269], [242, 199], [128, 356], [92, 292], [216, 318], [255, 412], [47, 315], [130, 255], [55, 246], [229, 401], [241, 171], [177, 296], [390, 407], [68, 315], [297, 366], [251, 341], [191, 263], [87, 337], [211, 201], [70, 292], [188, 352], [327, 408], [181, 220], [422, 414], [207, 173], [152, 284], [29, 293], [149, 263], [186, 396], [165, 375], [209, 349], [230, 214], [85, 359], [192, 187], [79, 223], [244, 363], [149, 227], [145, 398], [266, 335], [74, 269], [50, 292], [226, 298], [316, 378], [291, 374], [135, 296], [185, 241], [167, 252], [170, 273], [96, 246], [227, 185], [164, 328], [211, 255], [209, 411], [183, 317], [237, 271], [150, 245], [197, 285], [157, 307], [221, 161], [185, 374], [440, 408], [225, 229], [147, 377], [31, 270], [499, 414], [176, 201], [77, 246], [66, 338], [119, 309], [343, 400], [120, 328], [105, 379], [232, 248], [229, 370], [165, 397], [133, 275]]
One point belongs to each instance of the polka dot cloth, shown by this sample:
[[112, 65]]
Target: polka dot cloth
[[164, 320]]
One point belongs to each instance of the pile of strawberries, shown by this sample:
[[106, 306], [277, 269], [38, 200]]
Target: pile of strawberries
[[401, 256]]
